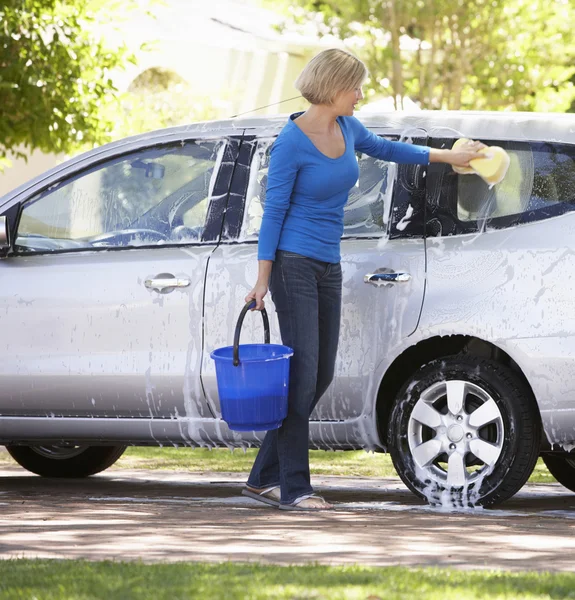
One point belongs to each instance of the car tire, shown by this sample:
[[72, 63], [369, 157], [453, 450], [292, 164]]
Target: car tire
[[65, 460], [451, 455], [562, 467]]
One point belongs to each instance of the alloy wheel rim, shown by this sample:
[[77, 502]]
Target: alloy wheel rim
[[455, 433]]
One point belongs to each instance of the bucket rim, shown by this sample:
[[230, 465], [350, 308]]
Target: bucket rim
[[287, 353]]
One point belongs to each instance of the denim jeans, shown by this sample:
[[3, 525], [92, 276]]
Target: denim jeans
[[307, 296]]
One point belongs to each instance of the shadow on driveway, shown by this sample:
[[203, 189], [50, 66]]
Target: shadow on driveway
[[169, 516]]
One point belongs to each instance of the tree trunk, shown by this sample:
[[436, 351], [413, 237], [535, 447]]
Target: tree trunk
[[397, 75], [421, 69], [431, 68], [457, 73]]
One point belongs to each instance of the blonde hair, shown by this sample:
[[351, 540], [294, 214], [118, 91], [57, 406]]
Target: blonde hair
[[329, 73]]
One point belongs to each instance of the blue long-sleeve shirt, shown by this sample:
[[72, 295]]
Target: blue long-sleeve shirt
[[307, 191]]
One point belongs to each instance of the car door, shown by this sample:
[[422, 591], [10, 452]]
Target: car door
[[383, 238], [102, 294]]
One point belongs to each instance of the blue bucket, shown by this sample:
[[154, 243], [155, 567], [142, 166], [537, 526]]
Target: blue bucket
[[253, 381]]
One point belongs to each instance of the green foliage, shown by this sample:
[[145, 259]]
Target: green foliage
[[455, 54], [83, 580], [56, 73], [159, 98]]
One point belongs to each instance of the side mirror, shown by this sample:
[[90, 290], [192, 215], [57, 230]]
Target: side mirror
[[4, 235]]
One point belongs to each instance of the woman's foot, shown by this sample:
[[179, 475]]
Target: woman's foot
[[309, 502], [268, 495]]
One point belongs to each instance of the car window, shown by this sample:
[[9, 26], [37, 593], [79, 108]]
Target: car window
[[540, 183], [366, 212], [157, 196]]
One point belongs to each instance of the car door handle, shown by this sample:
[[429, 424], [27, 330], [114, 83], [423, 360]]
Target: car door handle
[[386, 278], [165, 282]]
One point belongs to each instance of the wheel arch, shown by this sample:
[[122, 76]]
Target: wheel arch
[[411, 359]]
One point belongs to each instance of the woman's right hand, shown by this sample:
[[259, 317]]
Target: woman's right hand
[[257, 294]]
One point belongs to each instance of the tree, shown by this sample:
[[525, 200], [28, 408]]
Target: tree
[[161, 98], [452, 54], [56, 73]]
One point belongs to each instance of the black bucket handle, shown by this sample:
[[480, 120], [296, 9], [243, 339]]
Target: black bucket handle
[[248, 306]]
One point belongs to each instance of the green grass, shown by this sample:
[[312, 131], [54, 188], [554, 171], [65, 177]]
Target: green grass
[[82, 580], [350, 463], [541, 474]]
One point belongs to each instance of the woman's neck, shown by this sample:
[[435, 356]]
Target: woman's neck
[[319, 118]]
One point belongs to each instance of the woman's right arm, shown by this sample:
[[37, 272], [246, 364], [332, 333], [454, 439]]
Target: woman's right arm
[[282, 174]]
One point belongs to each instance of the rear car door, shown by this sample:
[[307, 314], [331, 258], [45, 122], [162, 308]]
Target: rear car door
[[102, 293]]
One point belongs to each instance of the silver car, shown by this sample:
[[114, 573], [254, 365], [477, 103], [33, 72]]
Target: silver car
[[123, 268]]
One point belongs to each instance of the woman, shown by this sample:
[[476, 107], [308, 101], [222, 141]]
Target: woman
[[312, 168]]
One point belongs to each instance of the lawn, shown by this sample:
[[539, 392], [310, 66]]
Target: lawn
[[350, 463], [82, 580]]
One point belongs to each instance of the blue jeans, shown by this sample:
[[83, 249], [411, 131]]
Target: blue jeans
[[307, 296]]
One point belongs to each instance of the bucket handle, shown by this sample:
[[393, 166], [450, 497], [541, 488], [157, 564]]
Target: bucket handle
[[248, 306]]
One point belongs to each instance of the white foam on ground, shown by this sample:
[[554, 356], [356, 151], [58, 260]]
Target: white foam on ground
[[391, 506], [233, 500], [563, 514], [244, 502]]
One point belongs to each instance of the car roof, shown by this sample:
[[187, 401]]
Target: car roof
[[558, 127], [491, 125]]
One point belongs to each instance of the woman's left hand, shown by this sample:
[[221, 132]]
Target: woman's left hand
[[460, 156], [465, 152]]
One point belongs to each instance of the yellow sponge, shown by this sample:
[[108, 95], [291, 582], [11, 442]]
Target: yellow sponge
[[494, 166], [491, 169]]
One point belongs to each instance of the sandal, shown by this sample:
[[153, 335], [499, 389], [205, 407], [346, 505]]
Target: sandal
[[302, 503], [270, 495]]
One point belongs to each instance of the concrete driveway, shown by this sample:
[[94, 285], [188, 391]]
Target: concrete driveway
[[170, 516]]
